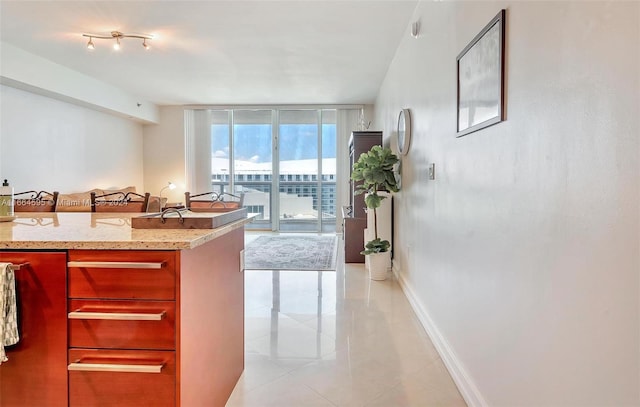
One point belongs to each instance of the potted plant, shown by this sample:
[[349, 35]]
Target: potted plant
[[375, 169]]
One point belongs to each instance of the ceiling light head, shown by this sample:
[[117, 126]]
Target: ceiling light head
[[90, 44], [116, 46], [144, 44]]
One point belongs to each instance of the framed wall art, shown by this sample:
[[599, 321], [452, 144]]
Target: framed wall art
[[480, 72]]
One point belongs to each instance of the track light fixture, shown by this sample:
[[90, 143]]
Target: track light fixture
[[117, 35]]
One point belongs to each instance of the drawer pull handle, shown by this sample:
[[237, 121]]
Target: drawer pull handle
[[114, 265], [106, 367], [118, 316]]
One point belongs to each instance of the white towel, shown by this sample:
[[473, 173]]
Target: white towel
[[8, 311]]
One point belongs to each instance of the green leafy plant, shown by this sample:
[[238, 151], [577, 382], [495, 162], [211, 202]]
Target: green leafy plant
[[375, 170], [376, 246]]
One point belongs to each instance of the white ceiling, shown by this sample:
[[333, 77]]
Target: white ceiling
[[220, 52]]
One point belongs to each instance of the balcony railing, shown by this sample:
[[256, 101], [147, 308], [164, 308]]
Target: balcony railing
[[328, 207]]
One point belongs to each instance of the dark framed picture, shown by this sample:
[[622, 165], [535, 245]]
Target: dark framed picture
[[480, 68]]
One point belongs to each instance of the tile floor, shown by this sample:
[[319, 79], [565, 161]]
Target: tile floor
[[336, 339]]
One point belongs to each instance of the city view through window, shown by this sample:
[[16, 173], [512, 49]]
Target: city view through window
[[302, 167]]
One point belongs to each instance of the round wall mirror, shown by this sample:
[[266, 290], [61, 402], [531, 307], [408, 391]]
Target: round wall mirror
[[404, 131]]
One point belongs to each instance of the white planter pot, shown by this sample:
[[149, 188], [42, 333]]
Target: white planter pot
[[378, 264]]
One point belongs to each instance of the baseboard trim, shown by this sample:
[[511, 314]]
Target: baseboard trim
[[466, 386]]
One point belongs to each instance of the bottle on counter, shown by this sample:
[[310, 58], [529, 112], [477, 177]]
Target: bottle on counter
[[6, 199]]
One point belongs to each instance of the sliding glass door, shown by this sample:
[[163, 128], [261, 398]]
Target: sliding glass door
[[241, 159], [298, 170], [328, 170], [291, 151], [307, 169], [253, 162]]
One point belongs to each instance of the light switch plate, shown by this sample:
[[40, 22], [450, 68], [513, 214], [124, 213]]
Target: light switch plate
[[432, 171]]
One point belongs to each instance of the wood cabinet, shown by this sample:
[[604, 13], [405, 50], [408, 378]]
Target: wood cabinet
[[352, 245], [354, 224], [118, 330], [178, 314], [36, 372], [128, 327], [132, 378], [211, 322], [117, 324], [360, 142], [125, 274]]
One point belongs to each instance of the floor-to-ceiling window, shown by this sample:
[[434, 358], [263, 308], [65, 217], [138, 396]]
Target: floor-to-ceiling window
[[255, 152], [252, 158], [307, 169], [328, 170]]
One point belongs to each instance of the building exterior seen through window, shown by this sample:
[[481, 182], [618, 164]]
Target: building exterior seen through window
[[244, 160]]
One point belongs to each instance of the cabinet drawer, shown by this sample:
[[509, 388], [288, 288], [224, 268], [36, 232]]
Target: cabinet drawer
[[122, 274], [121, 378], [122, 324]]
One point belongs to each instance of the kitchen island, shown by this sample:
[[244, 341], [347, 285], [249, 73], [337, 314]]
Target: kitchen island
[[111, 315]]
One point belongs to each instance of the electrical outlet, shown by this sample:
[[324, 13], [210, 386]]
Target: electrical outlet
[[432, 171]]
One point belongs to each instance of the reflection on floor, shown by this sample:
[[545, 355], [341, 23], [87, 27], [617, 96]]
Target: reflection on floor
[[336, 339]]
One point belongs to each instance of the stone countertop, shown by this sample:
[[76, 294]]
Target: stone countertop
[[108, 231]]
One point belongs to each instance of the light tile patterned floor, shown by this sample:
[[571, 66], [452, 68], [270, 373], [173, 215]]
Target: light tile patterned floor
[[336, 339]]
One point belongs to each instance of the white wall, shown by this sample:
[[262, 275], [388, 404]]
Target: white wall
[[164, 154], [53, 145], [23, 70], [522, 257]]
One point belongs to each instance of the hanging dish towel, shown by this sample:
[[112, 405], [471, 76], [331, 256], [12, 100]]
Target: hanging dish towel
[[8, 309]]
